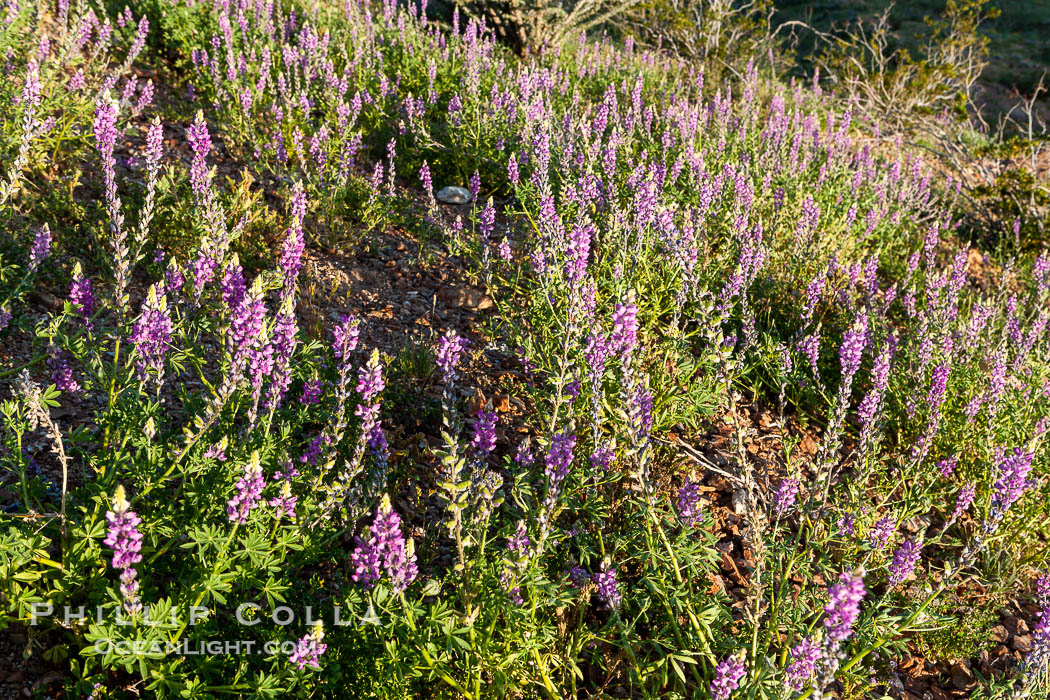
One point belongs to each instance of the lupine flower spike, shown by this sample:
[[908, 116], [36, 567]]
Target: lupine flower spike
[[728, 674], [249, 491], [125, 539], [309, 649], [385, 550]]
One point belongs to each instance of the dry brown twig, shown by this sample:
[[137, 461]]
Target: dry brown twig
[[974, 170], [40, 415]]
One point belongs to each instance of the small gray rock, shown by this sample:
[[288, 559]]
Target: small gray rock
[[739, 502], [453, 195]]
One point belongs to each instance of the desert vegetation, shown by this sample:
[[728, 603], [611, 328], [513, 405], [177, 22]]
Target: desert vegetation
[[665, 350]]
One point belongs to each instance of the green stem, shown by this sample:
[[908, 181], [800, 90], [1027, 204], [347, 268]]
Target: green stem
[[547, 685], [37, 359], [22, 472], [109, 403]]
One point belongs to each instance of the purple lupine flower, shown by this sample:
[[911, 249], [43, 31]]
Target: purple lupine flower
[[602, 457], [578, 576], [807, 222], [880, 376], [285, 502], [1038, 657], [689, 503], [728, 674], [804, 658], [514, 594], [519, 542], [1042, 589], [62, 371], [882, 532], [579, 249], [30, 98], [139, 41], [475, 185], [904, 561], [309, 649], [847, 524], [172, 277], [317, 151], [512, 169], [996, 381], [588, 298], [785, 496], [311, 392], [428, 182], [105, 129], [938, 385], [217, 451], [344, 338], [854, 341], [973, 407], [1041, 426], [948, 465], [385, 547], [124, 538], [966, 495], [80, 294], [484, 440], [809, 347], [5, 317], [252, 355], [41, 247], [105, 32], [366, 563], [450, 349], [249, 490], [488, 222], [391, 153], [504, 250], [200, 145], [370, 381], [624, 336], [377, 179], [282, 344], [843, 606], [288, 471], [291, 259], [538, 260], [596, 354], [145, 97], [233, 286], [640, 412], [608, 589], [203, 267], [1041, 271], [313, 450], [559, 456], [1013, 479], [523, 455], [130, 85], [151, 334], [123, 535]]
